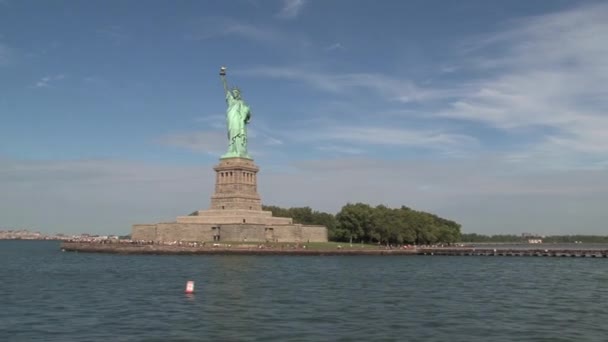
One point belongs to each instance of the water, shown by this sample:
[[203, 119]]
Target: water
[[47, 295]]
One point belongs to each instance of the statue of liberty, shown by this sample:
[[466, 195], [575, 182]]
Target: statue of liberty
[[238, 115]]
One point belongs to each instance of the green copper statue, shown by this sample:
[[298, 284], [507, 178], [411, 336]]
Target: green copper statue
[[238, 115]]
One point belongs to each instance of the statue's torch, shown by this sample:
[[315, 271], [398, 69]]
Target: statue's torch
[[223, 71]]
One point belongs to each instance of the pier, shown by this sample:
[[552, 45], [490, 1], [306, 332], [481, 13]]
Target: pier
[[581, 253]]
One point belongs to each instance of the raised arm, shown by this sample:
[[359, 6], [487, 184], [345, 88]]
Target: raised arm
[[223, 77]]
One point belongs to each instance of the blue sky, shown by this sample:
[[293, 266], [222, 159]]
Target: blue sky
[[492, 113]]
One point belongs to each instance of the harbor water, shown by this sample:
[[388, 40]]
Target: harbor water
[[47, 295]]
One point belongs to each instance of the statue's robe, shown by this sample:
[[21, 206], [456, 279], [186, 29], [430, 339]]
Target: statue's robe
[[237, 116]]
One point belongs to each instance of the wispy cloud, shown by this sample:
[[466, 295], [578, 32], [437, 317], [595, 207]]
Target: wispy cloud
[[48, 80], [215, 121], [115, 34], [334, 46], [291, 9], [210, 142], [264, 137], [544, 77], [448, 68], [351, 139], [214, 142], [549, 74], [341, 149], [395, 136], [212, 27], [393, 89]]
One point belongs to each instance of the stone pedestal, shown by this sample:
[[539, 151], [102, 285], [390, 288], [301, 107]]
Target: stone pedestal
[[235, 214], [236, 185], [236, 199]]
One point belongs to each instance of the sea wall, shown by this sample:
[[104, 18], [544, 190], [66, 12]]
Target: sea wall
[[223, 249], [184, 232], [176, 231], [300, 249], [143, 232]]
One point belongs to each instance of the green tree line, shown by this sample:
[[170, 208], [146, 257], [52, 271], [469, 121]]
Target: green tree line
[[506, 238], [360, 222], [473, 237], [575, 238]]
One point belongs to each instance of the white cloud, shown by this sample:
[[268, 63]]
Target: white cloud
[[369, 135], [48, 80], [337, 137], [543, 79], [547, 74], [326, 135], [291, 9], [392, 89]]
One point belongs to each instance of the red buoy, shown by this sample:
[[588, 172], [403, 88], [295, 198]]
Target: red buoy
[[190, 287]]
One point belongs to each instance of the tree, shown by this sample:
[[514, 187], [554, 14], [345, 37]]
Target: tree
[[381, 224], [355, 219]]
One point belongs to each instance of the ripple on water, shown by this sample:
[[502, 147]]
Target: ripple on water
[[46, 295]]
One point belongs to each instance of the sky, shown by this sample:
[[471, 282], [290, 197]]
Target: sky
[[490, 113]]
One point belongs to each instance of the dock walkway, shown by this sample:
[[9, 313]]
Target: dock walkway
[[583, 253]]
